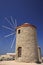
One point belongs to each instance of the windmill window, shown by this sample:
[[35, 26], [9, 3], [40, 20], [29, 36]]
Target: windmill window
[[19, 51], [18, 31]]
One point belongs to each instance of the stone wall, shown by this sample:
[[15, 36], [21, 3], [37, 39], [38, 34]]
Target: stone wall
[[27, 39]]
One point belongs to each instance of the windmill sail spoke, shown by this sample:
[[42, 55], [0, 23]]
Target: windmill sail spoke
[[8, 21], [7, 28], [12, 21], [13, 41], [9, 35], [15, 23]]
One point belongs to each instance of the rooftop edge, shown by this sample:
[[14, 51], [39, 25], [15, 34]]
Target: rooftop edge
[[26, 25]]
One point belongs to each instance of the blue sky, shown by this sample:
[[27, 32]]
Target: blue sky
[[30, 11]]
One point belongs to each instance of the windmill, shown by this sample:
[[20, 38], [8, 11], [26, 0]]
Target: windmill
[[13, 25]]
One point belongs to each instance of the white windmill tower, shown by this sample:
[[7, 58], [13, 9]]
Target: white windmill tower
[[13, 25]]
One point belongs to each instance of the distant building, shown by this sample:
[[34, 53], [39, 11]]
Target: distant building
[[8, 56], [11, 53]]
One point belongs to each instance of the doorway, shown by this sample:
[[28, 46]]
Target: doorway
[[19, 51]]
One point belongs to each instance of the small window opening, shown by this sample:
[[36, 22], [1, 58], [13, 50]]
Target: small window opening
[[19, 51], [18, 31]]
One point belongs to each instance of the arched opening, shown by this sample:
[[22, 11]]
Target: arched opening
[[18, 31], [19, 51]]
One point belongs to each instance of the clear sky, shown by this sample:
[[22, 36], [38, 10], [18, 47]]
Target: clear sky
[[30, 11]]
